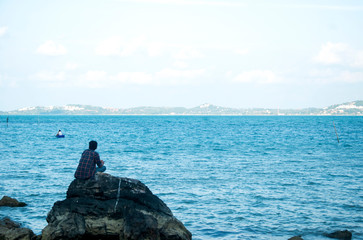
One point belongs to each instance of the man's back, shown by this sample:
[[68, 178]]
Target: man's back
[[87, 164]]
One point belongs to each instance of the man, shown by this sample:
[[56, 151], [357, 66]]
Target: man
[[87, 164]]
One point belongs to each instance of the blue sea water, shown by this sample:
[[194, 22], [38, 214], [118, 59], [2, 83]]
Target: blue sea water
[[248, 177]]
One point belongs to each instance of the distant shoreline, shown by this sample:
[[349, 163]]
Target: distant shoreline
[[354, 108], [191, 115]]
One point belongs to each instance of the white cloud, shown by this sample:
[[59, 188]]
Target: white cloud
[[50, 79], [335, 76], [48, 76], [71, 66], [229, 74], [331, 53], [163, 77], [90, 79], [109, 47], [3, 30], [174, 73], [93, 79], [258, 76], [350, 77], [241, 51], [133, 78], [180, 64], [188, 53], [358, 61], [51, 48], [95, 75], [339, 54], [133, 46], [101, 79], [155, 49], [116, 46], [13, 84], [6, 81]]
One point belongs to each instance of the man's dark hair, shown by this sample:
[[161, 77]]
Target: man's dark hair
[[93, 145]]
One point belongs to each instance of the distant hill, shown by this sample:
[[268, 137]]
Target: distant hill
[[350, 108]]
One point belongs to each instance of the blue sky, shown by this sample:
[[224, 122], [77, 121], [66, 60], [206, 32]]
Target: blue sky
[[119, 53]]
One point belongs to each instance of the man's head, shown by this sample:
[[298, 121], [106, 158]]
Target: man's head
[[93, 145]]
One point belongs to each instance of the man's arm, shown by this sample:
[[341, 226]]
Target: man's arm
[[99, 162]]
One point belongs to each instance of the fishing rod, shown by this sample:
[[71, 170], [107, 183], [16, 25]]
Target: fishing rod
[[336, 133]]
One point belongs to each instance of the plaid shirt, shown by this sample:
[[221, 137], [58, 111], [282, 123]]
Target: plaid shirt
[[87, 164]]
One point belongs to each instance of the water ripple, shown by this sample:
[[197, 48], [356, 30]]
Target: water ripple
[[223, 177]]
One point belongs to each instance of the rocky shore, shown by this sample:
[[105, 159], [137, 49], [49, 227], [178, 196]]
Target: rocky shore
[[112, 208], [106, 207], [10, 230], [109, 208], [11, 202]]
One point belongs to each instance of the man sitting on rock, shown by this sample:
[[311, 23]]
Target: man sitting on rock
[[87, 164]]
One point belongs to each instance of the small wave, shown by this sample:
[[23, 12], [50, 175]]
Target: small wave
[[189, 201], [219, 149], [229, 180], [133, 151], [355, 207], [166, 194], [222, 234], [338, 175], [270, 149], [313, 183]]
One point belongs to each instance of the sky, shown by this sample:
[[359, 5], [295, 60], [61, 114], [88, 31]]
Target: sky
[[180, 53]]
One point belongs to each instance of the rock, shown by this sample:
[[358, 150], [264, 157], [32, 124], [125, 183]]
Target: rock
[[109, 207], [11, 202], [343, 235], [296, 238], [10, 230]]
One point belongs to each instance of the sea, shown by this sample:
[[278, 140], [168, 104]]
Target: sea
[[224, 177]]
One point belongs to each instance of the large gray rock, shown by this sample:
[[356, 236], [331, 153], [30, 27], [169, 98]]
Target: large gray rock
[[109, 207], [296, 238], [343, 235], [10, 230], [11, 202]]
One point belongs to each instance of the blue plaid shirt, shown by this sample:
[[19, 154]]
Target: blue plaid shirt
[[87, 164]]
